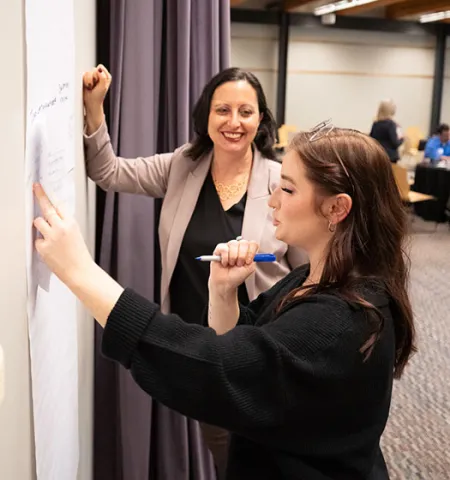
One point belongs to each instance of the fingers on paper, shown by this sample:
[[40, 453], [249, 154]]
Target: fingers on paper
[[50, 212], [42, 227]]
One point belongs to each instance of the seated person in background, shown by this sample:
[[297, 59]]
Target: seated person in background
[[438, 146], [386, 131]]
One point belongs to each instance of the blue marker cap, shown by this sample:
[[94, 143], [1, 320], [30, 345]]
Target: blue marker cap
[[265, 257]]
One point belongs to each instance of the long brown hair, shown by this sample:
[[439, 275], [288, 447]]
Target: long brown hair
[[369, 243]]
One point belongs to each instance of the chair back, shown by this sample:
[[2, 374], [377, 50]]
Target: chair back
[[401, 179], [414, 135], [284, 135]]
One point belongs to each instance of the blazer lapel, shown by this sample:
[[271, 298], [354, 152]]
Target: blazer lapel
[[191, 191], [256, 209]]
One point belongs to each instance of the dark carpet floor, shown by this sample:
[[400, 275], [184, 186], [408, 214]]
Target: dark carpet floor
[[416, 443]]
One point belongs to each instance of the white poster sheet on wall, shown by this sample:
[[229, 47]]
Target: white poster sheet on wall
[[50, 159]]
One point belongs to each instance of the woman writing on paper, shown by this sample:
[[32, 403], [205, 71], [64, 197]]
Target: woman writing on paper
[[303, 375]]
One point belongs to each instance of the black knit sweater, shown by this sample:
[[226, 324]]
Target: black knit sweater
[[293, 388]]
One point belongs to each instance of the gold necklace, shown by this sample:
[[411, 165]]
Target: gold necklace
[[226, 192]]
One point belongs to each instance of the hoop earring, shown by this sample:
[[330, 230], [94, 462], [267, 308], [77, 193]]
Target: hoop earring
[[331, 227]]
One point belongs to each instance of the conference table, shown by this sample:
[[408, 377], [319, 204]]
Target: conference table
[[435, 181]]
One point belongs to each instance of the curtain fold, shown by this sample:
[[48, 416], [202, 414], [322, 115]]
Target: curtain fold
[[161, 54]]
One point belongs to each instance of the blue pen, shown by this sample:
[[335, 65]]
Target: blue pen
[[259, 257]]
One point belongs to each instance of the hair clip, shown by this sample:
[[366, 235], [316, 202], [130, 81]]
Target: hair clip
[[320, 130]]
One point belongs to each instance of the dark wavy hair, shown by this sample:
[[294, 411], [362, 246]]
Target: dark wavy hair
[[266, 134], [368, 245], [443, 127]]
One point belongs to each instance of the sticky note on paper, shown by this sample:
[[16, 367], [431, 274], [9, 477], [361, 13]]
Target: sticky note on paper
[[2, 376]]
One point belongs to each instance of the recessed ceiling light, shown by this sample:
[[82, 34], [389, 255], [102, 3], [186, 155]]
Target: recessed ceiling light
[[434, 17], [342, 5]]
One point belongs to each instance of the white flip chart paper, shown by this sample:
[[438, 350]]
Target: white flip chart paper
[[49, 159]]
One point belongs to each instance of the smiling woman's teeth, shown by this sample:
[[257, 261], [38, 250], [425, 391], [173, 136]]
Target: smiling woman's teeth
[[233, 135]]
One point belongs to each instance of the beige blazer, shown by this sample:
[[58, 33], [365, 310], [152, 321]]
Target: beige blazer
[[179, 179]]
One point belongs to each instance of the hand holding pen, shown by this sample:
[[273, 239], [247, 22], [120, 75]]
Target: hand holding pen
[[238, 252], [258, 258], [232, 263]]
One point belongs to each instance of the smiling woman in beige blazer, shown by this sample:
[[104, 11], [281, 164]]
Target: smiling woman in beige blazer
[[214, 189]]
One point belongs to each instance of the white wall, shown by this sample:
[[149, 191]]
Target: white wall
[[342, 74], [16, 459], [255, 48], [16, 435]]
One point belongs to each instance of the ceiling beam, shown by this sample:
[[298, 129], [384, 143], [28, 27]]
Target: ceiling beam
[[368, 6], [416, 7], [364, 24], [292, 5]]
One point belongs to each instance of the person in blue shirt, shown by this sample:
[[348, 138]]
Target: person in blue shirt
[[438, 146]]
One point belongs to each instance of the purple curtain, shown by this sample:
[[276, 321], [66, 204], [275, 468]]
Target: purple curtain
[[161, 53]]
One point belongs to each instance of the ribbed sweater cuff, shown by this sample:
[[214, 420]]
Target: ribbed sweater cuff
[[126, 325]]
